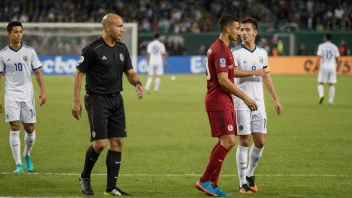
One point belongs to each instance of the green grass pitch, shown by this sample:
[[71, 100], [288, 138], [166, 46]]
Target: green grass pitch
[[307, 154]]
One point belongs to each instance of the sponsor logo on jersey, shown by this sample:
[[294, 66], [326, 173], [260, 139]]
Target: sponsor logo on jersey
[[222, 62]]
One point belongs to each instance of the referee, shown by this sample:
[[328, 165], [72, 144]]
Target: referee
[[103, 62]]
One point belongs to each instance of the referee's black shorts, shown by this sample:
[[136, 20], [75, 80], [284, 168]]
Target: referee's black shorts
[[106, 114]]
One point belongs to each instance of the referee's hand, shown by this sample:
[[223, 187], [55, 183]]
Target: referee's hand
[[139, 91], [77, 110]]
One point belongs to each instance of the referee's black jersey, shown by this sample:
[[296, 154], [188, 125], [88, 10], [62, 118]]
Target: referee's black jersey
[[104, 66]]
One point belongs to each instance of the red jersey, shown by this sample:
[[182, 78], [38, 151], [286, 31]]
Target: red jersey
[[219, 59]]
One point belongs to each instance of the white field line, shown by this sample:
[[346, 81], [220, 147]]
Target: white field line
[[185, 175]]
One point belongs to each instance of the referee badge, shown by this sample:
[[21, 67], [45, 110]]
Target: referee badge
[[121, 57], [261, 59], [25, 58]]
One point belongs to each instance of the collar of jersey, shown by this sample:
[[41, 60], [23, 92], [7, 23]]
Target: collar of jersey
[[255, 47], [15, 50]]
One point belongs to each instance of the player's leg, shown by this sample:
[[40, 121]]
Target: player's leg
[[243, 123], [222, 126], [28, 118], [258, 125], [159, 72], [97, 115], [150, 77], [332, 81], [322, 78], [13, 111], [116, 133]]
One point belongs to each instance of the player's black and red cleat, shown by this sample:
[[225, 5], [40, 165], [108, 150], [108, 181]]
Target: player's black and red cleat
[[321, 100], [245, 189], [251, 184]]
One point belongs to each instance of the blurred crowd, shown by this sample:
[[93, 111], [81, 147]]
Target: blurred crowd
[[186, 15], [311, 14]]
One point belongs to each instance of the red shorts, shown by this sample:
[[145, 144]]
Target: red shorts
[[222, 123]]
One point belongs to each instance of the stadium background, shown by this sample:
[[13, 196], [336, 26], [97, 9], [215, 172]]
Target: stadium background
[[308, 148]]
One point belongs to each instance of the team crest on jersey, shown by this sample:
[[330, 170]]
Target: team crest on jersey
[[81, 60], [121, 57], [261, 60], [230, 127], [222, 62], [25, 58]]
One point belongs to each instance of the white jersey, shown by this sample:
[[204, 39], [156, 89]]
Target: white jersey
[[156, 49], [328, 52], [252, 86], [17, 65]]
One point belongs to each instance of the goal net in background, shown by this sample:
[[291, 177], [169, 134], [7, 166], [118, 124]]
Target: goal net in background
[[59, 45]]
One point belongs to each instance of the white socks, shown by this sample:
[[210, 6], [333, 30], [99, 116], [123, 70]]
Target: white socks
[[157, 84], [29, 139], [15, 144], [149, 82], [241, 159], [331, 94], [254, 156], [321, 90]]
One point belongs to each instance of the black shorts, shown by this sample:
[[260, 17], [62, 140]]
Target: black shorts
[[106, 114]]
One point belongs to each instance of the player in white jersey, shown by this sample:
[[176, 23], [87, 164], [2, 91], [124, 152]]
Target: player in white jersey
[[17, 61], [328, 58], [252, 70], [156, 53]]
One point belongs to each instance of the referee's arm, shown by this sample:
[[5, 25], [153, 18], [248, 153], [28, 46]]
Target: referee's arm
[[133, 79]]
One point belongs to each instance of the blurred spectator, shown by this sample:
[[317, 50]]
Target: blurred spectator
[[343, 49], [202, 50], [302, 50]]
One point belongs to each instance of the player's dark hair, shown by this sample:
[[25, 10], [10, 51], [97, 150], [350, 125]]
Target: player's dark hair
[[328, 36], [13, 24], [226, 20], [156, 35], [251, 21]]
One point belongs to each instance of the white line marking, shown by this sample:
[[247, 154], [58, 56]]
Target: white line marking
[[185, 175]]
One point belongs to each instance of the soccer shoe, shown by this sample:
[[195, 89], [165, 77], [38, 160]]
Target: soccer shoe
[[207, 188], [251, 184], [85, 186], [116, 192], [220, 193], [28, 163], [245, 189], [19, 169], [321, 100]]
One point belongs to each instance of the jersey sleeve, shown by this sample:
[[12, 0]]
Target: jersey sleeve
[[337, 53], [2, 66], [265, 62], [221, 61], [128, 63], [236, 58], [149, 48], [163, 50], [83, 63], [320, 51], [35, 60]]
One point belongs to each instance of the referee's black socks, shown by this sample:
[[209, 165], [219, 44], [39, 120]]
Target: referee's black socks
[[91, 158], [113, 162]]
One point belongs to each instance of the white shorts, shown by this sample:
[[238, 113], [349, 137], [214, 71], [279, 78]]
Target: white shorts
[[327, 76], [250, 121], [156, 69], [23, 111]]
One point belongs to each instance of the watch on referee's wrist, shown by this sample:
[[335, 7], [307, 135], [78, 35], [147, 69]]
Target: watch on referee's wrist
[[138, 83]]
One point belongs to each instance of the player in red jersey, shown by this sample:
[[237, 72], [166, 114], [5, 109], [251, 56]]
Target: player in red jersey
[[218, 102]]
